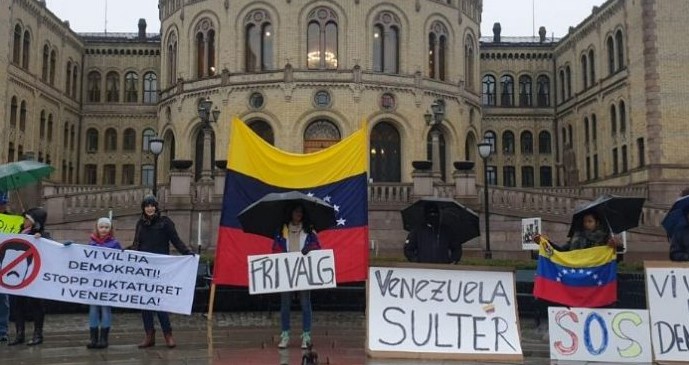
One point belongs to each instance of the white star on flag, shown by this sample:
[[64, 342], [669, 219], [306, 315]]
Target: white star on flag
[[581, 271], [600, 283], [341, 222], [310, 194], [558, 279], [327, 199], [595, 276], [336, 207]]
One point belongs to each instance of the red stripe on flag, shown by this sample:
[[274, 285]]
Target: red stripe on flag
[[575, 296], [231, 266]]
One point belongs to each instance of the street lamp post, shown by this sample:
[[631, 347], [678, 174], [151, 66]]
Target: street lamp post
[[155, 145], [207, 114], [484, 150]]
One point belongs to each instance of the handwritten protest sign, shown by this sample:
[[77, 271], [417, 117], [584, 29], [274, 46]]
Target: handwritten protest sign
[[431, 311], [10, 223], [601, 335], [667, 293], [41, 268], [291, 271]]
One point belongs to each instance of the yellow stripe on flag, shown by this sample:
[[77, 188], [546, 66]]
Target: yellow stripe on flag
[[588, 257], [250, 155]]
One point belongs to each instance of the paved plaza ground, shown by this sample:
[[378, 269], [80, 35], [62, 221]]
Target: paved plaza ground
[[237, 338]]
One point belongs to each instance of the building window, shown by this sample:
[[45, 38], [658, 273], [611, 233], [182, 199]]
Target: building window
[[588, 168], [611, 55], [543, 85], [387, 102], [50, 128], [17, 45], [625, 165], [584, 72], [613, 120], [469, 56], [128, 174], [322, 39], [619, 42], [147, 175], [172, 60], [568, 76], [65, 136], [146, 139], [94, 87], [41, 133], [563, 96], [322, 99], [615, 162], [385, 158], [10, 152], [53, 62], [263, 129], [74, 81], [91, 174], [91, 140], [508, 177], [594, 128], [20, 153], [131, 90], [108, 174], [641, 151], [68, 79], [526, 140], [508, 143], [129, 140], [150, 88], [488, 90], [22, 116], [26, 52], [13, 112], [592, 67], [110, 140], [258, 42], [527, 177], [544, 143], [320, 134], [256, 101], [437, 51], [507, 90], [595, 166], [205, 48], [546, 177], [491, 138], [586, 130], [525, 91], [492, 172], [623, 117], [112, 87], [386, 43], [46, 63], [72, 137]]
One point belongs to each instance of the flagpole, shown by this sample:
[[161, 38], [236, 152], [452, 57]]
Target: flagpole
[[211, 302]]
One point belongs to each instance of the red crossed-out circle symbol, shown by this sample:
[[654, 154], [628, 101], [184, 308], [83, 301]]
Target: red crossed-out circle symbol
[[29, 254]]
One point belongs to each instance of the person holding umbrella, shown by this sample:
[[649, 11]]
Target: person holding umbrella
[[679, 244], [588, 232], [431, 241]]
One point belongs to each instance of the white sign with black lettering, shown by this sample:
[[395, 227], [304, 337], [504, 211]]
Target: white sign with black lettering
[[667, 290], [447, 313], [292, 271]]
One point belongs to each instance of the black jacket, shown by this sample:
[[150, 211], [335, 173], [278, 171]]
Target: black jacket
[[679, 245], [157, 236], [427, 244]]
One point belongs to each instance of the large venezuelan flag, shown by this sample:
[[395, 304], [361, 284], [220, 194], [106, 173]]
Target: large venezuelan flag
[[579, 278], [336, 175]]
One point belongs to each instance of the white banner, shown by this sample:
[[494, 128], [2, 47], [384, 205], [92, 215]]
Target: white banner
[[291, 271], [445, 313], [84, 274], [667, 292], [600, 335]]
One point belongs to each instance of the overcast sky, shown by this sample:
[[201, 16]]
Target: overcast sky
[[515, 16]]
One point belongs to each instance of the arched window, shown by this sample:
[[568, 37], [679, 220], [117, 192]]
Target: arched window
[[543, 91], [110, 140], [53, 62], [564, 136], [469, 62], [491, 138], [13, 112], [150, 88], [205, 47], [563, 96], [525, 90], [146, 139], [10, 152], [263, 129], [442, 148], [320, 134], [385, 153], [488, 90], [41, 130], [470, 147], [258, 42], [50, 127], [112, 87], [586, 130], [619, 43], [568, 75], [592, 67], [507, 90], [72, 138], [94, 87], [91, 140], [129, 140], [508, 143], [17, 45], [68, 79], [437, 50], [571, 135], [22, 116], [611, 55], [74, 80], [584, 72], [544, 144], [131, 89], [594, 128], [65, 136], [526, 140], [613, 120], [386, 45], [322, 39], [623, 117], [172, 59], [46, 63], [26, 51]]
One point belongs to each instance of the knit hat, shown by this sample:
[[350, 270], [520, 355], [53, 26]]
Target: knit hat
[[105, 221], [149, 200]]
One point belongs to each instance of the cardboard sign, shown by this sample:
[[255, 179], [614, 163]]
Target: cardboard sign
[[667, 293], [600, 335], [291, 271], [446, 312], [530, 228], [10, 223]]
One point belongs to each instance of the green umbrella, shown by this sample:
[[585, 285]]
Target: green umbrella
[[16, 175]]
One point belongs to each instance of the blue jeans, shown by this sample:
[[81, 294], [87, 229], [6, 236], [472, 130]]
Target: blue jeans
[[100, 316], [285, 307], [163, 318], [4, 314]]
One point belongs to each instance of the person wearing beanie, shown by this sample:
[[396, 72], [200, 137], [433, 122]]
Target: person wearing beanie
[[34, 224], [154, 233], [100, 315]]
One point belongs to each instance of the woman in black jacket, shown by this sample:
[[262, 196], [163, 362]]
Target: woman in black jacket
[[154, 233]]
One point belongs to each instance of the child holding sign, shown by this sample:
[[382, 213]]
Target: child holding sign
[[99, 315]]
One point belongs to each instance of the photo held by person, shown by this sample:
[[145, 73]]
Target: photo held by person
[[154, 233]]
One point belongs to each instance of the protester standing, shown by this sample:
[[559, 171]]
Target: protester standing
[[432, 242], [589, 232]]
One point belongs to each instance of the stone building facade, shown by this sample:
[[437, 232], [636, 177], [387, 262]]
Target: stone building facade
[[304, 74]]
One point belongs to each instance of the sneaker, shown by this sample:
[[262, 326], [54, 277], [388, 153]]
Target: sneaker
[[305, 340], [284, 340]]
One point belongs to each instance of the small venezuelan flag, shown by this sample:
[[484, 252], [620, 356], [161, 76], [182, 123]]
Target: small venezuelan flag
[[580, 278], [336, 174]]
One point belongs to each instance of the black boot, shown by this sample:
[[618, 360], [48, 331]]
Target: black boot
[[93, 343], [37, 338], [19, 339], [103, 342]]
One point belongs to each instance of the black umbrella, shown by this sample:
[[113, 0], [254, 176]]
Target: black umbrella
[[620, 213], [463, 221], [265, 215]]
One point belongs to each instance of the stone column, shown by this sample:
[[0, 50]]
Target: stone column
[[206, 171], [465, 183], [435, 154], [422, 178], [180, 188]]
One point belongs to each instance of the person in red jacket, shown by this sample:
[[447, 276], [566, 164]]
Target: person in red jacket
[[295, 234]]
